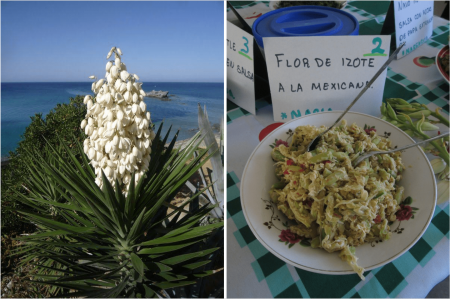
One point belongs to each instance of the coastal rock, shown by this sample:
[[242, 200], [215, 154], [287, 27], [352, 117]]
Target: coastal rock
[[214, 127], [163, 95]]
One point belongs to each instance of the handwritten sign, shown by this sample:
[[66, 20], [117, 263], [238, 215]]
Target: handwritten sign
[[413, 24], [240, 68], [315, 74]]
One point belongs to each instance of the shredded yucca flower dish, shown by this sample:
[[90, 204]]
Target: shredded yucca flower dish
[[335, 205]]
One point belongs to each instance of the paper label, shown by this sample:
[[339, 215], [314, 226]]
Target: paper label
[[413, 24], [315, 74], [240, 70]]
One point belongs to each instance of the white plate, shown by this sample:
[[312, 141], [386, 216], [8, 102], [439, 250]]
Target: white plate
[[418, 180], [441, 53]]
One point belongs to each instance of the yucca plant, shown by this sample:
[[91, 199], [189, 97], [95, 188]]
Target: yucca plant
[[105, 243]]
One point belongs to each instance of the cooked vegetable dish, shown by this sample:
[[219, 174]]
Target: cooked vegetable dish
[[335, 205]]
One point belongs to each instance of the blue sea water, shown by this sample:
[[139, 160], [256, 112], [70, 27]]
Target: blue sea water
[[20, 101]]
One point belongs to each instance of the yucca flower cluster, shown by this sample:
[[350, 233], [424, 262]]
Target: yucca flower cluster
[[400, 113], [117, 124]]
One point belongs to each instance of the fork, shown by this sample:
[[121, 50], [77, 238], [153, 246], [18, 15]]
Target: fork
[[312, 145], [369, 154]]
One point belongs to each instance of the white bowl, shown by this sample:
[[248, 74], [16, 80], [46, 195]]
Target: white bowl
[[441, 53], [418, 181]]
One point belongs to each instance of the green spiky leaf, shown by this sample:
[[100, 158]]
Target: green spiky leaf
[[138, 265]]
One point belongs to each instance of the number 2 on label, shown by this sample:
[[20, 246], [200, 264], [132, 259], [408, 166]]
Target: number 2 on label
[[378, 48]]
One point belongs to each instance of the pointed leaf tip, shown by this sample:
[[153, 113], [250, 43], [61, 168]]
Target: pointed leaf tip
[[138, 265]]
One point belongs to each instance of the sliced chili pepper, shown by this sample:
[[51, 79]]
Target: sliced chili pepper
[[289, 162], [369, 130], [377, 219], [337, 215], [286, 172]]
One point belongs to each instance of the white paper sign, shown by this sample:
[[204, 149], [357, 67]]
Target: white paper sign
[[240, 70], [315, 74], [413, 24]]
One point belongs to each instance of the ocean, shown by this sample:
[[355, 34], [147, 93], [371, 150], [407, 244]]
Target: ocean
[[20, 101]]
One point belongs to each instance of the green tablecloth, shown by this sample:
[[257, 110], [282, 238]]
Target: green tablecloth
[[254, 272]]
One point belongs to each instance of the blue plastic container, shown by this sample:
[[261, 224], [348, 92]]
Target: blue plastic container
[[307, 20]]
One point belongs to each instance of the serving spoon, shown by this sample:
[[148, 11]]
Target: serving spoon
[[312, 145], [369, 154]]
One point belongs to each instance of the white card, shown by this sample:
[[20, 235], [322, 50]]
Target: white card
[[240, 70], [324, 73], [413, 24]]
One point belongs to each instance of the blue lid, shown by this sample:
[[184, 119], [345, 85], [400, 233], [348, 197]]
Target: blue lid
[[304, 20]]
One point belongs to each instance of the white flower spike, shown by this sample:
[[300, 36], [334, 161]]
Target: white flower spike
[[124, 75], [117, 124], [109, 65]]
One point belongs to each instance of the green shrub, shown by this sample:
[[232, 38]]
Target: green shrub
[[63, 121]]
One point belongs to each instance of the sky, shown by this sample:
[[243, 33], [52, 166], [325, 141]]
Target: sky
[[161, 41]]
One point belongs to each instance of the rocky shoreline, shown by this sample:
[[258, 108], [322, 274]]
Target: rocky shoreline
[[181, 144]]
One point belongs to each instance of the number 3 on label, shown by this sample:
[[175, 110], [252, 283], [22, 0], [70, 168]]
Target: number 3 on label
[[244, 52], [245, 45]]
